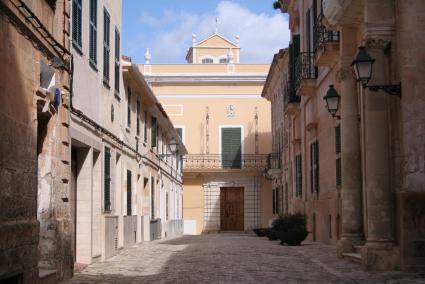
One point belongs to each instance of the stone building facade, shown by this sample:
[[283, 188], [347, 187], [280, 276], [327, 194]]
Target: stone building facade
[[361, 185], [214, 100], [114, 166], [35, 223]]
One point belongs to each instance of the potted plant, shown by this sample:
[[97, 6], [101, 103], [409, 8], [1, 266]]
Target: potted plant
[[290, 229]]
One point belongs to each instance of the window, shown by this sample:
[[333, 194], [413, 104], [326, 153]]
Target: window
[[93, 32], [117, 60], [129, 195], [76, 24], [274, 201], [179, 131], [338, 156], [128, 107], [166, 206], [223, 60], [207, 61], [298, 176], [107, 181], [145, 130], [154, 132], [106, 45], [314, 166], [231, 144], [152, 198], [138, 117]]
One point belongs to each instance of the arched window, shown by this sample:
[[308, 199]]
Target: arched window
[[207, 61], [223, 60]]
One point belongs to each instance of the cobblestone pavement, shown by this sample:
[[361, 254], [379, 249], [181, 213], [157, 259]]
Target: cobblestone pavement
[[232, 258]]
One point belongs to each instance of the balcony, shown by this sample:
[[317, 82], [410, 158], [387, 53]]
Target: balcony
[[326, 44], [305, 74], [222, 162], [290, 100], [274, 165]]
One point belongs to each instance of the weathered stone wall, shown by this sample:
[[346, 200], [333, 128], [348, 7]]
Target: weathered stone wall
[[24, 186]]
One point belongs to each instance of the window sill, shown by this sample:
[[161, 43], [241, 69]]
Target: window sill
[[77, 48], [106, 84], [117, 95], [93, 65]]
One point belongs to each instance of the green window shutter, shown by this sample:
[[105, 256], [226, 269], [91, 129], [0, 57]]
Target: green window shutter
[[145, 129], [107, 180], [274, 201], [231, 142], [138, 117], [312, 167], [299, 175], [180, 132], [316, 162], [106, 44], [338, 172], [154, 132], [129, 107], [76, 22], [338, 139], [152, 198], [117, 60], [93, 32], [129, 193]]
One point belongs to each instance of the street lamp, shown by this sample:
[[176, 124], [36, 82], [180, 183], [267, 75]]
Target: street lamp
[[172, 145], [332, 99], [363, 66]]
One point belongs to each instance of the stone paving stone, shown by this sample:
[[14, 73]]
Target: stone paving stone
[[232, 258]]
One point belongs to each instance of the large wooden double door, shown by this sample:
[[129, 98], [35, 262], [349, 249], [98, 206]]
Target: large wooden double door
[[232, 209]]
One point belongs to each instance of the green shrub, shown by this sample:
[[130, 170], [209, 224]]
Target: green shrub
[[290, 228]]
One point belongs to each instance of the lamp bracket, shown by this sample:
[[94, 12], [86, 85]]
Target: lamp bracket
[[393, 90]]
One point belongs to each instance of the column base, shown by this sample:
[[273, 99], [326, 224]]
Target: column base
[[347, 244], [377, 256]]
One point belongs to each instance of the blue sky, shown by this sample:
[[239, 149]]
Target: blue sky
[[166, 27]]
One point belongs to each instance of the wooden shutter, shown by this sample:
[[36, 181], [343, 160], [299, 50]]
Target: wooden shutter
[[154, 132], [231, 142], [338, 166], [129, 193], [106, 44], [180, 132], [93, 32], [274, 201], [138, 117], [76, 22], [107, 180], [152, 198], [299, 175], [314, 166], [129, 107], [117, 60], [308, 30], [145, 129]]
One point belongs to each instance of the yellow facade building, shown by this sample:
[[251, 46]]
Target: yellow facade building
[[215, 104]]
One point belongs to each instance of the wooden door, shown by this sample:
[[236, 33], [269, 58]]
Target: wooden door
[[232, 208]]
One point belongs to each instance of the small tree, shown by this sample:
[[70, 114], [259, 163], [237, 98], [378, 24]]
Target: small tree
[[276, 5], [291, 228]]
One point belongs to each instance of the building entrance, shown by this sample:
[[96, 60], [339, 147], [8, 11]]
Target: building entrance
[[232, 208]]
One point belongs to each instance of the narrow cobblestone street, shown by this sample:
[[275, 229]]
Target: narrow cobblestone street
[[232, 258]]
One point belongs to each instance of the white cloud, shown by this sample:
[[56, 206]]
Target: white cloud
[[261, 35]]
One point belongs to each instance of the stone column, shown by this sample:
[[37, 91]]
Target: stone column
[[379, 252], [351, 187]]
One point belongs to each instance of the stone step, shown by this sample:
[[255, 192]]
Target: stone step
[[47, 276], [358, 249], [355, 257]]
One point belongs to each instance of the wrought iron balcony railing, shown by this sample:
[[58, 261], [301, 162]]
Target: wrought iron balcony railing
[[322, 35], [290, 95], [223, 161], [304, 68], [274, 161]]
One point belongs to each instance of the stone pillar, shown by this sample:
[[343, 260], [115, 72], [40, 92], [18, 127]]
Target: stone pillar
[[379, 252], [351, 188]]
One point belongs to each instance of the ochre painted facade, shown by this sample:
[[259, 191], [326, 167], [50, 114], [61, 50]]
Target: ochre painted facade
[[201, 99]]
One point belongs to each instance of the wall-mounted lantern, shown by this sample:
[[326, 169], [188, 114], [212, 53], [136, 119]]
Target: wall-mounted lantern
[[332, 99], [363, 67]]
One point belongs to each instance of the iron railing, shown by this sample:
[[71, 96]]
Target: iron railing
[[223, 161], [274, 161], [304, 68], [322, 35], [290, 95]]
